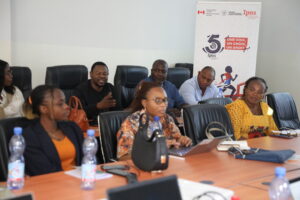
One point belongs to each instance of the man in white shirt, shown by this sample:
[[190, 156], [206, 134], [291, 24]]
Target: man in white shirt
[[200, 87]]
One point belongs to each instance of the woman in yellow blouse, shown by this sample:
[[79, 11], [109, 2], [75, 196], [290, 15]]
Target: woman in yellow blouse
[[250, 116]]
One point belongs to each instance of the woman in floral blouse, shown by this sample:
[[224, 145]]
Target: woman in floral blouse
[[152, 100]]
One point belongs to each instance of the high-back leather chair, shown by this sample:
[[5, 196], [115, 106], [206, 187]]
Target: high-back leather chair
[[219, 101], [189, 66], [177, 75], [6, 132], [197, 117], [285, 111], [22, 79], [110, 123], [126, 79], [66, 77]]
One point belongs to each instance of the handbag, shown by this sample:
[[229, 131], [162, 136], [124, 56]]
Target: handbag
[[216, 129], [77, 114], [149, 153]]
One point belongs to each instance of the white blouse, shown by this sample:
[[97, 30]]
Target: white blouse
[[11, 105]]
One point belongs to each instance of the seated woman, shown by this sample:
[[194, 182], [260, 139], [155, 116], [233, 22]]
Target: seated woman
[[11, 98], [52, 144], [250, 116], [152, 100]]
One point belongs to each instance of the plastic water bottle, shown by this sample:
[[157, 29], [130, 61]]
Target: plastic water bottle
[[280, 188], [15, 178], [89, 161], [154, 125]]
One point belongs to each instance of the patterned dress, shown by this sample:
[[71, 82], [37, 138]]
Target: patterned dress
[[129, 128], [247, 125]]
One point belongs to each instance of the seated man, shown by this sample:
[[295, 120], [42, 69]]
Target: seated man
[[96, 94], [159, 74], [200, 87]]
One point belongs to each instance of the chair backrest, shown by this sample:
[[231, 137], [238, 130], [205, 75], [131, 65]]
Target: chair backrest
[[197, 117], [177, 75], [110, 123], [220, 101], [285, 111], [126, 79], [66, 77], [6, 132], [22, 79], [189, 66]]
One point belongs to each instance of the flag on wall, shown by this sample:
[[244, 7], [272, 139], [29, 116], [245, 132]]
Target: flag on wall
[[227, 39]]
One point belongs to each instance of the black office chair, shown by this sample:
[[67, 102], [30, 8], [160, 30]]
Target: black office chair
[[126, 79], [219, 101], [22, 79], [285, 111], [6, 132], [66, 77], [178, 75], [197, 117], [189, 66], [110, 123]]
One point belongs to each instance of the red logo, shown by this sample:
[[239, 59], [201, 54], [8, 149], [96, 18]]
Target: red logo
[[249, 13], [201, 12]]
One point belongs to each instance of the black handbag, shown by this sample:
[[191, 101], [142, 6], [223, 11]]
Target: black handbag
[[149, 153]]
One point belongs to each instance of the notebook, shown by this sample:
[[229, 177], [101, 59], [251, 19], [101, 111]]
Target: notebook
[[205, 145]]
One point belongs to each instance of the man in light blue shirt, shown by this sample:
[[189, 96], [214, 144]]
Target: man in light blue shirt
[[200, 87]]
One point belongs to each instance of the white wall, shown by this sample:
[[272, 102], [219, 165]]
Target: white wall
[[117, 32], [46, 33], [5, 31], [278, 58]]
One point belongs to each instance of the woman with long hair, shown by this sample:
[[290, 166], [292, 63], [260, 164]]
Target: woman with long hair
[[11, 98]]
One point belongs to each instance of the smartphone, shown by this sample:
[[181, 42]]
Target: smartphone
[[109, 167]]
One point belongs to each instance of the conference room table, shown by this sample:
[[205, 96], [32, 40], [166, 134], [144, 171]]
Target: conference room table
[[245, 177]]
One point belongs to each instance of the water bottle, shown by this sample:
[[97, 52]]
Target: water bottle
[[280, 188], [89, 161], [15, 178], [154, 125]]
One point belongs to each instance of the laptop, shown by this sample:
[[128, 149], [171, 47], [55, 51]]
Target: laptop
[[158, 189], [205, 145]]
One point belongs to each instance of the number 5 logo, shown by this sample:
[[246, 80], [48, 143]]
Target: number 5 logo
[[215, 45]]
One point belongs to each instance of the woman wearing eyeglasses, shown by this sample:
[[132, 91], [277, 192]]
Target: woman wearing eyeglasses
[[250, 116], [11, 98], [152, 100]]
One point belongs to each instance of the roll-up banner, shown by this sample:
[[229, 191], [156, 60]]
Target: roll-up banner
[[227, 39]]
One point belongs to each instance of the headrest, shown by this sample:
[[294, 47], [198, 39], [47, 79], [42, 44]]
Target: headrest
[[129, 76], [66, 76]]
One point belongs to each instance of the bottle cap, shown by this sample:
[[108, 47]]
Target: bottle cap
[[90, 132], [156, 118], [280, 171], [18, 130]]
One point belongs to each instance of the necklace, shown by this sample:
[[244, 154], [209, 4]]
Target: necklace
[[54, 136]]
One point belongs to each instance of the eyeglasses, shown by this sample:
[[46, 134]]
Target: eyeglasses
[[210, 195], [235, 151], [159, 101]]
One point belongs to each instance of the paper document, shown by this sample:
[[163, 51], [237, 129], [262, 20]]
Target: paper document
[[225, 145], [190, 189], [77, 173]]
